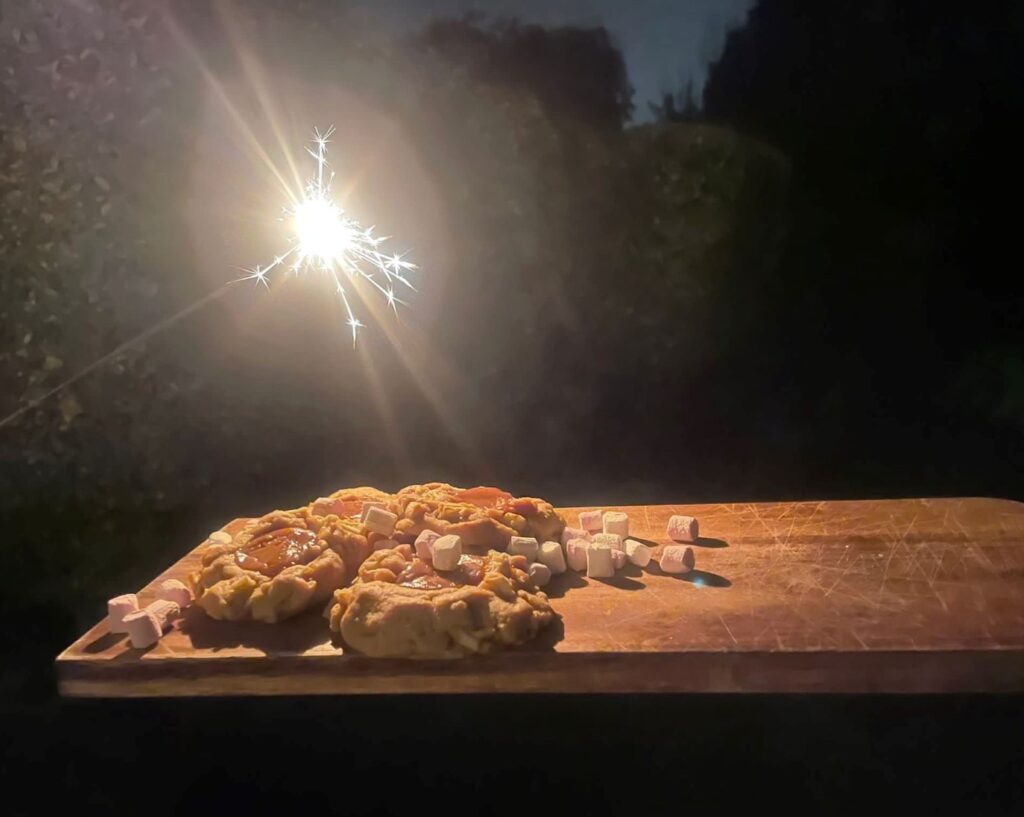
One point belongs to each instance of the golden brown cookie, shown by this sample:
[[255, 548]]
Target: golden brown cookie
[[400, 607], [485, 518], [279, 565]]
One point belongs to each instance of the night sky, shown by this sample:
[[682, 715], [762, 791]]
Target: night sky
[[665, 42]]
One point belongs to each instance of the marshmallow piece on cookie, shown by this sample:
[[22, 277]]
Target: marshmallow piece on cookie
[[178, 592], [552, 555], [677, 559], [599, 561], [366, 508], [220, 537], [683, 528], [524, 546], [638, 553], [572, 533], [425, 544], [615, 522], [143, 628], [618, 558], [380, 521], [590, 521], [447, 551], [612, 540], [576, 553], [117, 608], [540, 573]]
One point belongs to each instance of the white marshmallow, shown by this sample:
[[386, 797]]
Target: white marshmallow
[[524, 546], [590, 521], [117, 608], [677, 559], [618, 558], [612, 540], [220, 537], [573, 533], [615, 522], [682, 528], [366, 507], [143, 628], [178, 592], [599, 561], [552, 555], [380, 521], [638, 553], [384, 544], [425, 543], [540, 573], [447, 550], [576, 553]]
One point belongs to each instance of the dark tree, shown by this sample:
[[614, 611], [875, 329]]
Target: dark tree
[[903, 121], [575, 72], [681, 106]]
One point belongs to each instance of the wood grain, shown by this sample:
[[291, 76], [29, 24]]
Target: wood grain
[[920, 595]]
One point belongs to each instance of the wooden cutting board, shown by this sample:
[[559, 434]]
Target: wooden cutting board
[[917, 595]]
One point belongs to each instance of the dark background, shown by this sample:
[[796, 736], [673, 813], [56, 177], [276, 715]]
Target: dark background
[[800, 281]]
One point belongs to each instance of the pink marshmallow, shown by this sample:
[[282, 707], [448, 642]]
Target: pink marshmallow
[[178, 592], [573, 533], [425, 544], [576, 553], [143, 628], [164, 611], [677, 559], [618, 558], [683, 528], [591, 521], [117, 608]]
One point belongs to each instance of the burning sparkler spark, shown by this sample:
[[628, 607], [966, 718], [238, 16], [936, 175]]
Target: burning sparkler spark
[[325, 239]]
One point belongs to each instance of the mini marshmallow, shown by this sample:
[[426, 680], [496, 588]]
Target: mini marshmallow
[[677, 559], [576, 553], [164, 611], [220, 537], [540, 573], [425, 543], [599, 562], [612, 540], [447, 551], [366, 508], [682, 528], [552, 555], [590, 521], [384, 544], [524, 546], [175, 591], [117, 608], [573, 533], [638, 553], [143, 628], [615, 522], [618, 558], [380, 520]]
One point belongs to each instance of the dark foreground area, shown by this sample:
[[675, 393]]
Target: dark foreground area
[[484, 755]]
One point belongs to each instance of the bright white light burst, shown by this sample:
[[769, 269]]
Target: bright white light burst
[[326, 241]]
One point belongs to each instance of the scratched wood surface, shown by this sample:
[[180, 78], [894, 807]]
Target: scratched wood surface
[[895, 596]]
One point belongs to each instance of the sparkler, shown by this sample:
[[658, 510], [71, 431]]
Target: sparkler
[[324, 240], [327, 241]]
